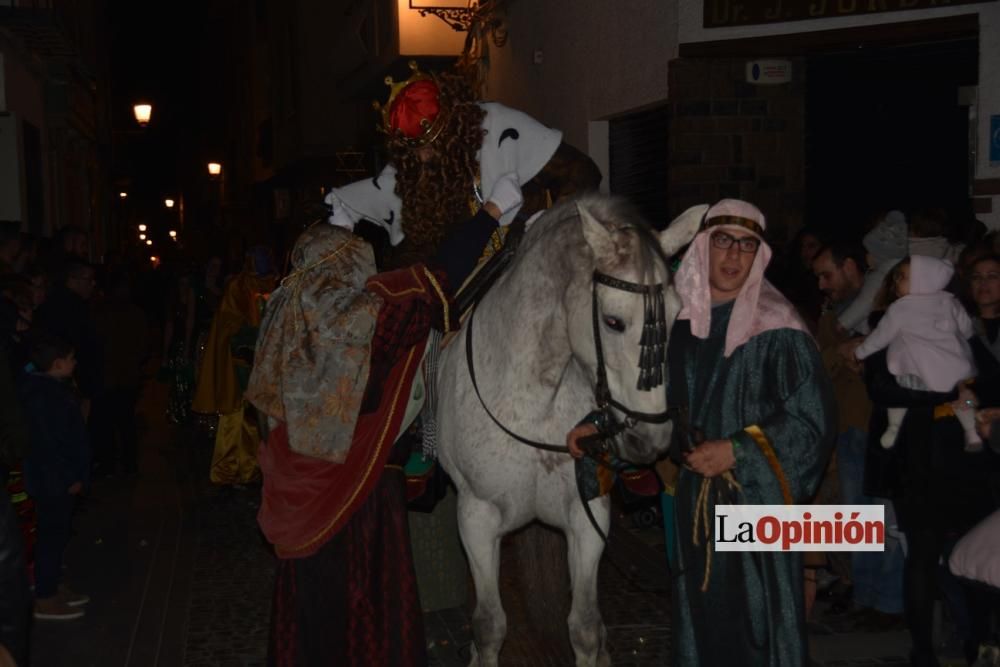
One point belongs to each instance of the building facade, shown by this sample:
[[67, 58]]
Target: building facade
[[54, 134]]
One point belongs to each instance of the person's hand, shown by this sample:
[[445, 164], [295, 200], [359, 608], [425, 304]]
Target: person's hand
[[506, 195], [75, 488], [572, 438], [340, 216], [846, 352], [967, 397], [711, 458], [847, 348], [985, 419]]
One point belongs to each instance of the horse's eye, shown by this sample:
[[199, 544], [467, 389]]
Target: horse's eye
[[614, 323]]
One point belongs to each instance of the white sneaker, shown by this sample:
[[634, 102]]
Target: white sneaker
[[888, 439]]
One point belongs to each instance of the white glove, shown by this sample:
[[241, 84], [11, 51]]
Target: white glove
[[506, 194], [340, 216]]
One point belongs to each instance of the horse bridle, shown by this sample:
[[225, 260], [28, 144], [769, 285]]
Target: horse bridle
[[651, 361]]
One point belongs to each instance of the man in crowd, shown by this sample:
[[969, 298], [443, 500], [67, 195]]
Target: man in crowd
[[876, 577], [66, 314]]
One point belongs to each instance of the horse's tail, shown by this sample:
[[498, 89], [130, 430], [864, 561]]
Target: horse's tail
[[543, 579]]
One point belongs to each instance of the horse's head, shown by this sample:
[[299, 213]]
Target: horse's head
[[617, 322]]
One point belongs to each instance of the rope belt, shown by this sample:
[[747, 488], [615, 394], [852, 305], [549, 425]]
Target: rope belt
[[701, 519]]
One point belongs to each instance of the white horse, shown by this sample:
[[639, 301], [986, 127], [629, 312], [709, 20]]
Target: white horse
[[536, 366]]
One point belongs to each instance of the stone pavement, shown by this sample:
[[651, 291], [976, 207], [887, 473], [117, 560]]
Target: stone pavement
[[179, 575]]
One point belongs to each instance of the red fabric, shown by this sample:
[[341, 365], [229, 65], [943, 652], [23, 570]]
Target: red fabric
[[415, 103], [641, 482], [355, 602], [305, 500]]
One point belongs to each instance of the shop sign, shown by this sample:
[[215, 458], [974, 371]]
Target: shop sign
[[724, 13]]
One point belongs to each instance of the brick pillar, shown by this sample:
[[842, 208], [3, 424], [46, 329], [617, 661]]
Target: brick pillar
[[729, 138]]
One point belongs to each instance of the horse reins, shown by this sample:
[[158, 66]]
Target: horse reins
[[654, 334]]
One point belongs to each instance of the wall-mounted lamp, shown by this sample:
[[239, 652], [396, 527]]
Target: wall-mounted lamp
[[143, 112], [456, 13]]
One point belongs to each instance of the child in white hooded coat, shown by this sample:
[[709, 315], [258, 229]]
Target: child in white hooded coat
[[927, 331]]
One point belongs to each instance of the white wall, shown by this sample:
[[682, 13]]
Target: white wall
[[598, 59], [690, 19]]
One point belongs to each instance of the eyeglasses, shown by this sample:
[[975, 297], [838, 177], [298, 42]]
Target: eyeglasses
[[724, 241]]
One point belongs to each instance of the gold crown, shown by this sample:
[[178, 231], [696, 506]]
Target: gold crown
[[431, 129]]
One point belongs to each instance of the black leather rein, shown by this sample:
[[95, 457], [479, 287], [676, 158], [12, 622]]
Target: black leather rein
[[602, 392]]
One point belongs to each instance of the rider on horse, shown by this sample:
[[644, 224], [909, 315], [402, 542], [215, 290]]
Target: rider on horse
[[334, 500]]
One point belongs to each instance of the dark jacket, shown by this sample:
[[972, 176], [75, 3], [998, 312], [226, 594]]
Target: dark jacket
[[927, 474], [59, 453], [13, 431], [67, 316]]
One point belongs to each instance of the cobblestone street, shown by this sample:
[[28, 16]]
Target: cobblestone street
[[180, 575]]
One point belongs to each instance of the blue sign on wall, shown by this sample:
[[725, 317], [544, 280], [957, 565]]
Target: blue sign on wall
[[994, 139]]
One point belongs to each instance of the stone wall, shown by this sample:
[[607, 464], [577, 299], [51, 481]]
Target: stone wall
[[729, 138]]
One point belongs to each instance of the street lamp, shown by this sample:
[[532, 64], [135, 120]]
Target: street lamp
[[214, 168], [142, 237], [143, 112], [149, 242], [169, 203], [173, 234], [123, 194], [142, 228]]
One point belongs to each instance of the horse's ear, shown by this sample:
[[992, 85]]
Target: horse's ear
[[682, 229], [596, 234]]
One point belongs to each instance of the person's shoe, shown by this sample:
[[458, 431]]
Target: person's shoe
[[71, 598], [54, 609], [973, 446]]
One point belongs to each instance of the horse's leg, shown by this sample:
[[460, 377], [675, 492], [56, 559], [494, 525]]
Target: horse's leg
[[479, 524], [586, 629]]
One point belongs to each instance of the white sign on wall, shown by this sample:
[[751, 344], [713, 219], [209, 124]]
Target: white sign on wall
[[769, 72]]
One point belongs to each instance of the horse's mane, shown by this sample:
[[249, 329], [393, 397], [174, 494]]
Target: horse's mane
[[616, 214]]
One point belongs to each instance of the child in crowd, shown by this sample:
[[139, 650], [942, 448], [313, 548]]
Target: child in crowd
[[56, 469], [927, 332]]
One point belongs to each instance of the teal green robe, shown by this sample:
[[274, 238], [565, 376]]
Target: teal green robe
[[753, 611]]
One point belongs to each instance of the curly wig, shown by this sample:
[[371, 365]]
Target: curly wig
[[436, 193]]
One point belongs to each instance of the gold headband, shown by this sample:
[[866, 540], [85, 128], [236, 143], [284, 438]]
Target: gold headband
[[736, 221]]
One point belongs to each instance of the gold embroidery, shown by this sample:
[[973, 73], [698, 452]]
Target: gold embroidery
[[735, 221], [440, 293], [409, 290], [772, 460], [379, 444]]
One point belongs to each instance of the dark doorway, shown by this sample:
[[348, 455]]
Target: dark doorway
[[637, 152], [884, 130]]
